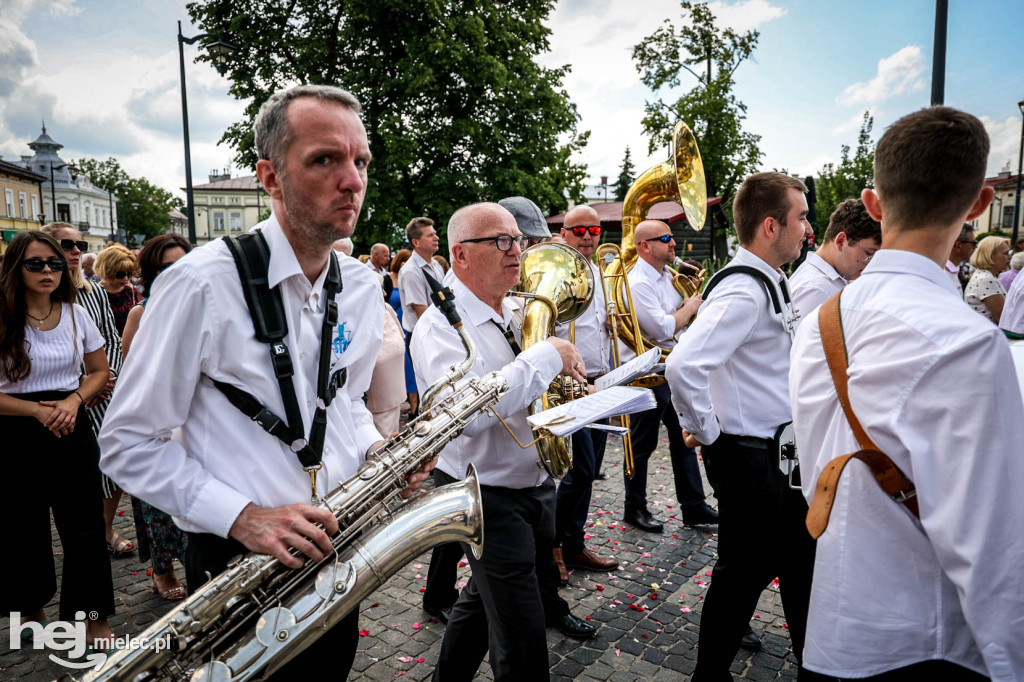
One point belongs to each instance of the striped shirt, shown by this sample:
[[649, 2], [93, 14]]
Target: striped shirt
[[57, 354], [97, 304]]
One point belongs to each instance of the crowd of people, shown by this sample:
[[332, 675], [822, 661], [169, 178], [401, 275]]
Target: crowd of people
[[146, 365]]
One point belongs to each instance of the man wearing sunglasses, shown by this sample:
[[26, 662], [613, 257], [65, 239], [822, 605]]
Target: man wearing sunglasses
[[961, 252], [849, 243], [661, 318], [501, 612]]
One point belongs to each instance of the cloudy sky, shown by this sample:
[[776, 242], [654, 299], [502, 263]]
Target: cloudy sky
[[104, 76]]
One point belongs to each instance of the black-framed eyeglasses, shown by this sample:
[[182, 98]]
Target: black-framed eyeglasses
[[502, 241], [70, 244], [972, 242], [664, 239], [122, 275], [580, 230], [37, 264]]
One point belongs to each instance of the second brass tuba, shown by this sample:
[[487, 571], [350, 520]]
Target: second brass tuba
[[680, 178]]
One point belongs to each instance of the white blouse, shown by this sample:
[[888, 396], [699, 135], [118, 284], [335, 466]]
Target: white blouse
[[57, 354], [982, 285]]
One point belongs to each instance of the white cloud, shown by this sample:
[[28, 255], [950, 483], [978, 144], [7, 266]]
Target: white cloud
[[897, 74], [852, 124], [745, 16], [1004, 141]]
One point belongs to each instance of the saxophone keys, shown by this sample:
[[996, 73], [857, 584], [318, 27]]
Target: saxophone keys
[[273, 626], [214, 671]]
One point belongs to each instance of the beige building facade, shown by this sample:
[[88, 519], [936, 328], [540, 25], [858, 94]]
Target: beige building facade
[[22, 196], [228, 206]]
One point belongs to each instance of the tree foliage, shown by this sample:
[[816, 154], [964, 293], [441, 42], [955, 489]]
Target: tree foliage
[[141, 205], [711, 55], [838, 182], [626, 177], [456, 108]]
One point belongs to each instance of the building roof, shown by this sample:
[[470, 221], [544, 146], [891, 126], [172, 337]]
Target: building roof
[[15, 169], [245, 184], [177, 215], [1001, 182], [611, 211]]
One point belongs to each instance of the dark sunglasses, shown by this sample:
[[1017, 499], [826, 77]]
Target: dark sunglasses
[[37, 264], [70, 244], [664, 239], [122, 275], [580, 230]]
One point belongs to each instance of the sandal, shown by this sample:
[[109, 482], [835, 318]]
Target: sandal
[[174, 594], [28, 635], [119, 546]]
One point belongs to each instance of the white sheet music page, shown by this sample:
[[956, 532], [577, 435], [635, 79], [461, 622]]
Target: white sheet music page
[[574, 415], [637, 367]]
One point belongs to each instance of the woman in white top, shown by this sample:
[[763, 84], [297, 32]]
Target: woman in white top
[[984, 293], [51, 458]]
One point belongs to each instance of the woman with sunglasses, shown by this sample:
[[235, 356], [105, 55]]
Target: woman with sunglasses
[[159, 539], [116, 265], [52, 460], [94, 299]]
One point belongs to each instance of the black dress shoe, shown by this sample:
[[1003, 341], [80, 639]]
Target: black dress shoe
[[750, 641], [642, 519], [440, 614], [601, 476], [701, 515], [571, 626]]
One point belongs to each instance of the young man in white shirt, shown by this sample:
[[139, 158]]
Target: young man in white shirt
[[500, 611], [661, 318], [851, 239], [729, 379], [412, 286], [948, 604], [313, 158]]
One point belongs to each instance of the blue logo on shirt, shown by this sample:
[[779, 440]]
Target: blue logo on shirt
[[342, 339]]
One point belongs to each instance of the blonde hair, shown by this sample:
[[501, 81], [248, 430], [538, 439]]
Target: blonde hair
[[114, 259], [982, 256]]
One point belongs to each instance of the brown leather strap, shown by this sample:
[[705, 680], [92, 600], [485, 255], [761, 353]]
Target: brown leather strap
[[889, 477]]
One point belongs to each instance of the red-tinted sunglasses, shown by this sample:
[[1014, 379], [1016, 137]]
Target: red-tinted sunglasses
[[580, 230]]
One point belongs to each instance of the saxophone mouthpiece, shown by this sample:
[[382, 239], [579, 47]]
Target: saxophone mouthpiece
[[680, 264], [444, 299]]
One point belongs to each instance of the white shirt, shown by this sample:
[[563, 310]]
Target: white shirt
[[953, 272], [813, 283], [413, 287], [655, 299], [435, 347], [933, 385], [730, 370], [1012, 318], [591, 337], [197, 328], [383, 272], [57, 354]]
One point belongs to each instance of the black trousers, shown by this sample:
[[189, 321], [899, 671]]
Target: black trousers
[[333, 652], [512, 593], [761, 535], [574, 492], [443, 572], [44, 473], [926, 670], [643, 429]]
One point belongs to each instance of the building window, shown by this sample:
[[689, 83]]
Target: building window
[[1008, 216], [35, 207], [88, 211], [218, 221], [236, 201], [236, 221], [218, 200], [22, 206], [9, 195], [64, 213]]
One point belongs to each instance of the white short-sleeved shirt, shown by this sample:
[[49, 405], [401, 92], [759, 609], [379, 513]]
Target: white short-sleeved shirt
[[57, 354], [982, 285], [413, 287], [1012, 318]]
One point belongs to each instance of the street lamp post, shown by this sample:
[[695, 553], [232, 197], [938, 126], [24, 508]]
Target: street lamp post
[[1020, 162], [53, 191], [110, 213], [221, 51]]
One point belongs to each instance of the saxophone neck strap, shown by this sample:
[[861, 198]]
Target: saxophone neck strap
[[266, 308], [885, 472], [756, 274]]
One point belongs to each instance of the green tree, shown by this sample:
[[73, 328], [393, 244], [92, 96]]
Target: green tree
[[711, 55], [838, 182], [626, 177], [141, 205], [456, 108]]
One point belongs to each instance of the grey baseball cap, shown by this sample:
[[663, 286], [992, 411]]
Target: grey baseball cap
[[529, 218]]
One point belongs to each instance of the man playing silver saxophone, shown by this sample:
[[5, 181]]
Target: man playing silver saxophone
[[230, 484], [501, 609]]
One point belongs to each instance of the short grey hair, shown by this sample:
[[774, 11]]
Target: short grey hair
[[344, 243], [966, 231], [1017, 261], [462, 223], [273, 136]]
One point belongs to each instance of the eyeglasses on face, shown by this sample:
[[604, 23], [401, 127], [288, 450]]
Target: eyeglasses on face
[[502, 241], [70, 244], [972, 242], [580, 230], [664, 239], [37, 264]]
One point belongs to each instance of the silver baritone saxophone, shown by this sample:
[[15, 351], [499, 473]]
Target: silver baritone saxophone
[[250, 620]]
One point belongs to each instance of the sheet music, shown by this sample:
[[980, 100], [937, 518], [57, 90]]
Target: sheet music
[[617, 430], [636, 367], [574, 415]]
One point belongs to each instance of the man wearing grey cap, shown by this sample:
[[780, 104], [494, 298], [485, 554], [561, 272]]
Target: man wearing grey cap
[[529, 218]]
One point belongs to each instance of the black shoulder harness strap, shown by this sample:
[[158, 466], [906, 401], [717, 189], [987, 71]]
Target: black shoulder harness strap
[[756, 274], [252, 257]]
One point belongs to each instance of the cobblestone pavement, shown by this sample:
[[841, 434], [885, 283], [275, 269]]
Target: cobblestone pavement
[[648, 611]]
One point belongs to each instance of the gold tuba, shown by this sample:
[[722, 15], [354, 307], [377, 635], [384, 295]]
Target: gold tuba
[[680, 178], [558, 284]]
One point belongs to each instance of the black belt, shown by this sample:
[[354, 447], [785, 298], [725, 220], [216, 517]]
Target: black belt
[[752, 442]]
